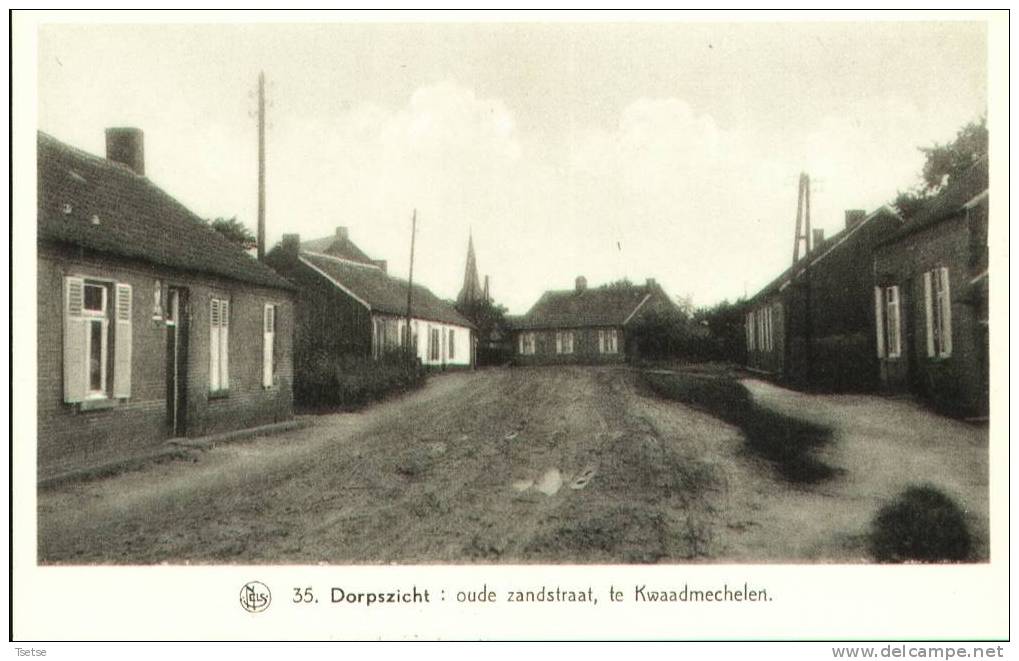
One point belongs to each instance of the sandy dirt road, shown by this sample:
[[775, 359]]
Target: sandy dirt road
[[512, 465]]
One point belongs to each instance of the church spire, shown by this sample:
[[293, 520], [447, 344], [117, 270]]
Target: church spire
[[471, 290]]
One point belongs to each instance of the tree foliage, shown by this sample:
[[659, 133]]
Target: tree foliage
[[943, 162], [235, 231]]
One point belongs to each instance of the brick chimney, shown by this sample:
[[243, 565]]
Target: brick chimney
[[126, 145], [290, 244], [581, 283], [381, 263], [854, 217], [651, 282], [817, 240], [342, 233]]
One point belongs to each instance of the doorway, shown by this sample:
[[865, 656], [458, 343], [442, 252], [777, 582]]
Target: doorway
[[176, 360]]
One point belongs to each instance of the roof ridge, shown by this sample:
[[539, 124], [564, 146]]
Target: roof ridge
[[344, 260], [99, 160]]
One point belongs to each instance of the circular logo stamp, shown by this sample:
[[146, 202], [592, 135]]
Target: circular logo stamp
[[255, 597]]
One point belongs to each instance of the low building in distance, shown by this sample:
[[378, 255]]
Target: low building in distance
[[349, 305], [584, 324]]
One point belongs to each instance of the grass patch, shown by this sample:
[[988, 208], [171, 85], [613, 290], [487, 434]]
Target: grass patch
[[786, 441], [923, 525]]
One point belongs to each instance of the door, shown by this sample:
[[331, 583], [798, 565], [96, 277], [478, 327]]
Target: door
[[176, 360]]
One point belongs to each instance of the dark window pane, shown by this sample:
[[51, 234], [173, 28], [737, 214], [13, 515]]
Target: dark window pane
[[94, 298], [95, 357]]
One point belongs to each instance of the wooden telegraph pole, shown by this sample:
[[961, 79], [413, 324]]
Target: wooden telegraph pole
[[410, 279], [261, 164]]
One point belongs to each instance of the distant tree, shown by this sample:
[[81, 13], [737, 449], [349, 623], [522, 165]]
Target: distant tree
[[725, 327], [659, 333], [235, 231], [943, 162]]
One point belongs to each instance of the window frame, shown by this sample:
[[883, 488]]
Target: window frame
[[91, 318], [892, 300]]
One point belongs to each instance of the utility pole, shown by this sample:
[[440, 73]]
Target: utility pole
[[410, 279], [802, 234], [261, 165]]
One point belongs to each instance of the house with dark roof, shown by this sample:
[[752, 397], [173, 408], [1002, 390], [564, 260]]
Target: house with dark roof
[[812, 326], [930, 299], [585, 324], [349, 305], [150, 324]]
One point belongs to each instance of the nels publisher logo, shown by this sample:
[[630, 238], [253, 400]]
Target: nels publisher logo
[[255, 597]]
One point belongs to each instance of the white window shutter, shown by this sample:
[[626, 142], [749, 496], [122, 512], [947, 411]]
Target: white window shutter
[[224, 344], [268, 333], [946, 312], [124, 306], [75, 329], [879, 322], [214, 344], [929, 312]]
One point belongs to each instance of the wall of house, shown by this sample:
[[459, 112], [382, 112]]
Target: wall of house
[[71, 437], [585, 348], [459, 355], [957, 383], [764, 357], [328, 322], [827, 320]]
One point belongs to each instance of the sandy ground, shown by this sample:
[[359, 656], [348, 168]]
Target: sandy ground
[[519, 465]]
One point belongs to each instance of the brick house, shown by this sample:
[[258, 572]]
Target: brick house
[[150, 324], [930, 299], [813, 325], [348, 304], [584, 325]]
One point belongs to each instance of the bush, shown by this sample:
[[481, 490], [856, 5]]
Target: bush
[[329, 380], [922, 524]]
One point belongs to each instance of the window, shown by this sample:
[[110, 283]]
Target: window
[[527, 344], [607, 342], [887, 308], [434, 343], [452, 345], [564, 342], [938, 307], [89, 337], [219, 345], [751, 332], [269, 353]]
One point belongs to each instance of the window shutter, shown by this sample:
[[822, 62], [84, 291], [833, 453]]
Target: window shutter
[[268, 337], [879, 322], [75, 360], [122, 342], [214, 344], [224, 344], [929, 312], [946, 313]]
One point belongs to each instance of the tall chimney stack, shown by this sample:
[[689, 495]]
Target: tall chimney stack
[[126, 145], [581, 283], [342, 233], [818, 239], [854, 216]]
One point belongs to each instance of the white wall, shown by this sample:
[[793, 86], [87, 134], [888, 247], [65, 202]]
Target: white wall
[[461, 342]]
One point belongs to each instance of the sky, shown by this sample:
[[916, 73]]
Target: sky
[[610, 150]]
